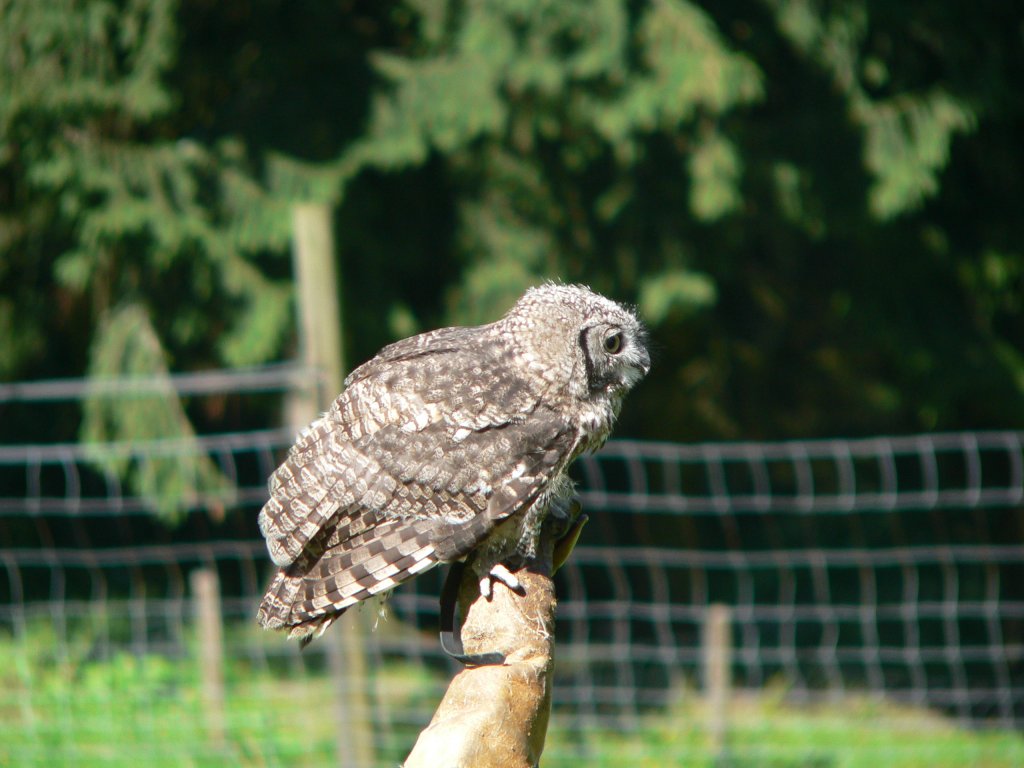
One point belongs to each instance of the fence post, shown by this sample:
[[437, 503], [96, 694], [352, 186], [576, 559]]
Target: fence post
[[717, 662], [206, 594], [321, 349]]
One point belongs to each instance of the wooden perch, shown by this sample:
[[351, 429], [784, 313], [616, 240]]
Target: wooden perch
[[497, 716]]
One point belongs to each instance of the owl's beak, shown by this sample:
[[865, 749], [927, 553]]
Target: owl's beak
[[643, 361]]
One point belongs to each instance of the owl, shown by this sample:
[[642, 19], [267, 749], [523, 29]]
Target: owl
[[448, 446]]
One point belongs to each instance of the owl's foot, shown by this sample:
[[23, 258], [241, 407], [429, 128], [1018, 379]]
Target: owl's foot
[[500, 572]]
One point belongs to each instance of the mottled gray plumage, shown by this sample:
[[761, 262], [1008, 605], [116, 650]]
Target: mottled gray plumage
[[446, 444]]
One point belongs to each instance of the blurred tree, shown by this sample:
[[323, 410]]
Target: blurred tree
[[179, 477], [574, 136], [776, 184], [875, 190], [813, 202], [144, 206], [103, 202]]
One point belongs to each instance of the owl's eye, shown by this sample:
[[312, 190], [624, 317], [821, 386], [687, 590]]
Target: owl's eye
[[613, 343]]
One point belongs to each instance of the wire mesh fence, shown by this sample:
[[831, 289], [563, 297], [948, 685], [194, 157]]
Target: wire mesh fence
[[874, 592]]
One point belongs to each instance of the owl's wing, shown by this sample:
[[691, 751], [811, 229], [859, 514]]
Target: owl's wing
[[478, 481], [415, 463], [440, 342], [397, 427], [458, 376], [363, 553]]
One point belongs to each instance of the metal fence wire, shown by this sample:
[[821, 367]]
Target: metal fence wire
[[888, 568]]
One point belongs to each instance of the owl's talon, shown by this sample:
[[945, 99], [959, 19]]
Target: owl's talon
[[500, 573]]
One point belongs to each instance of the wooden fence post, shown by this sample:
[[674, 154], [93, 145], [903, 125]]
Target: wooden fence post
[[321, 349], [717, 662], [206, 596]]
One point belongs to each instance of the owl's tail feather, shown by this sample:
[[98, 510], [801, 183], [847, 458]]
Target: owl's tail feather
[[306, 598], [275, 611], [310, 630], [275, 614]]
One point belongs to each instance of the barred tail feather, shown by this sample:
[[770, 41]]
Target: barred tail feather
[[309, 595]]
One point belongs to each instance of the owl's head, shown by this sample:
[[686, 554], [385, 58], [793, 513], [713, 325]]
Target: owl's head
[[598, 347]]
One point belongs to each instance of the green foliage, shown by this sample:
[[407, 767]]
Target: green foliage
[[715, 172], [180, 477], [105, 202], [675, 291], [815, 203], [541, 112], [907, 143], [684, 69], [906, 136], [71, 60], [116, 206]]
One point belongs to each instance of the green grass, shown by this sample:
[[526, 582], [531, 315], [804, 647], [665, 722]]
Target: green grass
[[59, 707], [129, 711], [67, 709], [765, 732]]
